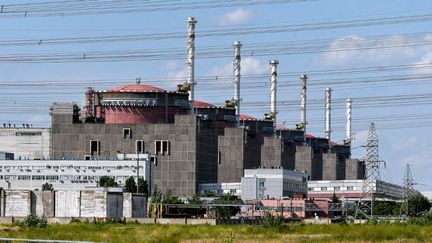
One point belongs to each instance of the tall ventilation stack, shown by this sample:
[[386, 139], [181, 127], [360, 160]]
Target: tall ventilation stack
[[303, 84], [348, 126], [328, 113], [236, 73], [191, 58], [273, 90]]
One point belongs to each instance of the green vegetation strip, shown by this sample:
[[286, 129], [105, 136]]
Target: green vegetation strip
[[293, 232]]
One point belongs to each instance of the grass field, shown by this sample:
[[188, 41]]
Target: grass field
[[224, 233]]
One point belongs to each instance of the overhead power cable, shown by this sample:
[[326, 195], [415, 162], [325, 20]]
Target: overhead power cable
[[279, 48], [96, 7]]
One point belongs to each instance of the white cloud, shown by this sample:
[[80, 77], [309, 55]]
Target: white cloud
[[239, 16], [178, 75], [370, 51], [422, 64], [249, 65]]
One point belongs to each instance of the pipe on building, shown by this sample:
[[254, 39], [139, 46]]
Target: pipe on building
[[348, 126], [303, 84], [191, 57], [273, 90], [328, 113], [236, 75]]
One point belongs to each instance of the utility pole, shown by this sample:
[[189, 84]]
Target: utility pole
[[371, 183], [138, 170]]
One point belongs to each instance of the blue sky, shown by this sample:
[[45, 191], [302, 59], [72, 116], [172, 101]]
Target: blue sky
[[403, 127]]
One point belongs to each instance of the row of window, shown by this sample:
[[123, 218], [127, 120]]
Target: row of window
[[57, 177], [162, 147], [336, 188], [69, 167]]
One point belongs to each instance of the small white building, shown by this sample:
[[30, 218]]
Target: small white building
[[69, 174], [221, 188], [353, 189], [272, 183]]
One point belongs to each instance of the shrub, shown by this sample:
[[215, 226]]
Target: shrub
[[33, 221], [47, 187], [272, 220], [425, 219]]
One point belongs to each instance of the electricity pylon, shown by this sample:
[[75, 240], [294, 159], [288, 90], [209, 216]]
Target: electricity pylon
[[372, 178], [408, 190]]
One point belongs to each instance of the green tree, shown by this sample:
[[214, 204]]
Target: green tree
[[130, 185], [143, 186], [47, 187], [156, 196], [418, 204], [226, 212], [198, 211], [386, 208], [106, 181]]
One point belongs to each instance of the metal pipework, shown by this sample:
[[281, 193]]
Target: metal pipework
[[303, 83], [328, 113], [191, 57], [348, 126], [273, 89], [236, 75]]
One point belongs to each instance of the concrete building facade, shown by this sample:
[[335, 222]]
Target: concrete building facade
[[26, 143], [69, 174]]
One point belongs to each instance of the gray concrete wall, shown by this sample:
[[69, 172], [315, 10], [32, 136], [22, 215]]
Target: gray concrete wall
[[231, 155], [303, 159], [93, 204], [127, 205], [278, 153], [67, 203], [17, 203], [139, 206], [114, 203], [329, 166], [354, 169]]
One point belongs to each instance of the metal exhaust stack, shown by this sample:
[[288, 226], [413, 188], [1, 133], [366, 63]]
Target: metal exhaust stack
[[191, 57], [348, 126], [328, 113], [236, 74], [303, 122], [273, 89]]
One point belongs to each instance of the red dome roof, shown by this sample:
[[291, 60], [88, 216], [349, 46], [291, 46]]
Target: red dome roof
[[309, 136], [246, 117], [137, 88], [200, 104]]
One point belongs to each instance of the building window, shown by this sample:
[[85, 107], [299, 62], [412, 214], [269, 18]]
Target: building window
[[94, 147], [219, 157], [162, 147], [127, 133], [323, 189], [310, 188], [87, 157], [261, 184], [139, 146], [336, 188], [350, 188]]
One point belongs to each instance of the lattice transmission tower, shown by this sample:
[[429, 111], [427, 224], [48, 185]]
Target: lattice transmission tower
[[408, 191], [371, 188]]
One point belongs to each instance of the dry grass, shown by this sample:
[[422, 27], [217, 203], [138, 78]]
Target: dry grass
[[225, 233]]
